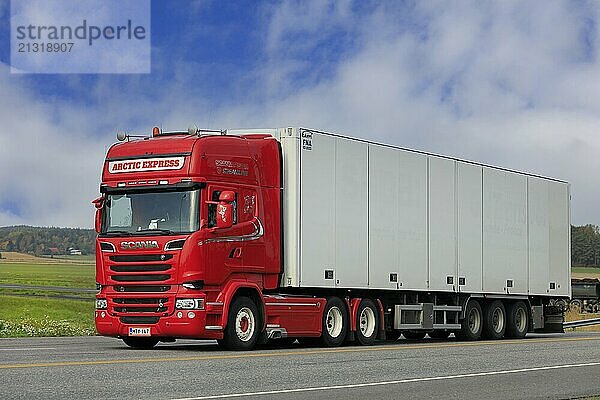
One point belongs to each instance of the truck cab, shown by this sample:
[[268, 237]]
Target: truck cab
[[182, 227]]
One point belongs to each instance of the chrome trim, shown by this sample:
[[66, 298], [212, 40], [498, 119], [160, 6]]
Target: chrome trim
[[108, 251], [174, 248], [213, 328], [257, 234], [292, 304], [214, 303]]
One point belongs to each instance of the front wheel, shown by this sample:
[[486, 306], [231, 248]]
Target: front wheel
[[243, 325], [140, 342], [335, 322]]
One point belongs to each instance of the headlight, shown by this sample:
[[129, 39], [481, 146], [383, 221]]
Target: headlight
[[189, 304], [101, 304]]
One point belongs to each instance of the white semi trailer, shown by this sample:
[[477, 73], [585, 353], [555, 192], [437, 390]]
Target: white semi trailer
[[446, 245]]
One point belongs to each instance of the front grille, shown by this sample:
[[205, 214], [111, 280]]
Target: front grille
[[144, 288], [141, 257], [141, 309], [140, 278], [141, 301], [139, 320], [140, 268]]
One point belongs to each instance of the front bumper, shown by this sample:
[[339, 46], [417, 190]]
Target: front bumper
[[193, 324]]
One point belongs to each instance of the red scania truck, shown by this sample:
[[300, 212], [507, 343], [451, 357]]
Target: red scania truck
[[252, 235]]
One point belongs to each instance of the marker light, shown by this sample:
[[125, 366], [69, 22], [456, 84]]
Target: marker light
[[155, 131], [121, 135], [193, 129]]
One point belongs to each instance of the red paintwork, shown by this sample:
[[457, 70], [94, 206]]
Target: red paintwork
[[247, 165]]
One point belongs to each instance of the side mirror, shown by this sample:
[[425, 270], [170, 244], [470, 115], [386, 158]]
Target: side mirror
[[227, 196], [98, 203], [224, 215]]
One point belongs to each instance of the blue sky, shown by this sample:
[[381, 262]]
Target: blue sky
[[509, 83]]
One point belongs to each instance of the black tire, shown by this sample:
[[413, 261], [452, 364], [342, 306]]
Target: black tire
[[439, 335], [243, 325], [494, 320], [367, 322], [414, 335], [517, 320], [472, 324], [335, 323], [140, 342]]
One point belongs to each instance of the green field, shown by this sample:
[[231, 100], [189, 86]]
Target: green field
[[585, 272], [65, 275], [36, 312], [39, 316]]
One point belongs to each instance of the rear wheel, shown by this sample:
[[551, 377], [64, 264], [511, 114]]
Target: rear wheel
[[471, 325], [517, 320], [367, 322], [243, 325], [414, 335], [335, 322], [140, 342], [494, 320]]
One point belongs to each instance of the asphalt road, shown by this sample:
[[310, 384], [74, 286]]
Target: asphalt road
[[551, 366]]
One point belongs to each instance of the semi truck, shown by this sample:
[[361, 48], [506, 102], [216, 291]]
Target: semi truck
[[251, 235]]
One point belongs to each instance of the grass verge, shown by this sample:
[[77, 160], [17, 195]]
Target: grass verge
[[65, 275], [39, 316]]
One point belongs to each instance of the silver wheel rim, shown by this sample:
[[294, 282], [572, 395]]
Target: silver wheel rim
[[334, 322], [520, 320], [367, 322], [498, 320], [474, 320], [244, 324]]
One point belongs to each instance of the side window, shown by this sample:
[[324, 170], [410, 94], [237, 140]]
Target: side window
[[212, 209]]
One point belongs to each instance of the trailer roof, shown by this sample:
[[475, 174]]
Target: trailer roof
[[432, 154]]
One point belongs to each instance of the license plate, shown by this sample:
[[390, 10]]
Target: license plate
[[139, 331]]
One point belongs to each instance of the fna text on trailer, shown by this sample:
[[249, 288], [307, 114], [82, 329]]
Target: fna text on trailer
[[253, 235]]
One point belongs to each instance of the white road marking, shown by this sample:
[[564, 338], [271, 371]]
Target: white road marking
[[361, 385], [29, 348]]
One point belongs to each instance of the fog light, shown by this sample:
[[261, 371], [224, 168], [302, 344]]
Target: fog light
[[179, 314], [101, 304], [103, 314], [191, 314]]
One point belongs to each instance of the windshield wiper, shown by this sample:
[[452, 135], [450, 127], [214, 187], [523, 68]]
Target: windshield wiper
[[157, 230], [117, 233]]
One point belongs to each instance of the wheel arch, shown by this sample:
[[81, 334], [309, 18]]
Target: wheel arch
[[242, 288]]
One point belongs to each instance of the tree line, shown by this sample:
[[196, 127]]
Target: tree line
[[585, 242], [46, 241]]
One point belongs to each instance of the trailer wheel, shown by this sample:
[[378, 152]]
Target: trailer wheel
[[243, 325], [335, 322], [414, 335], [140, 342], [367, 322], [517, 320], [494, 320], [471, 325], [440, 335]]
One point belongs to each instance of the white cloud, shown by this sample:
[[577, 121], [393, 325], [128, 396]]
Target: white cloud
[[515, 84]]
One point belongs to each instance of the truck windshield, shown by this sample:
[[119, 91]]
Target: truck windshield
[[152, 213]]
